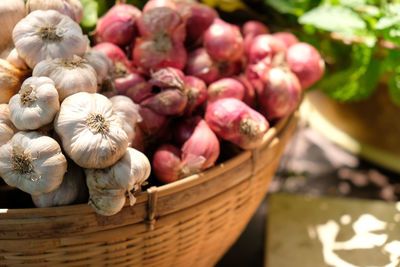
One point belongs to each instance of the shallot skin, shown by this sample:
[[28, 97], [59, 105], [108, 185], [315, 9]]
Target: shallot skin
[[167, 163], [201, 150], [287, 38], [201, 65], [196, 91], [123, 84], [198, 18], [306, 62], [223, 41], [234, 121], [167, 102], [253, 27], [281, 93], [265, 47], [118, 25], [224, 88]]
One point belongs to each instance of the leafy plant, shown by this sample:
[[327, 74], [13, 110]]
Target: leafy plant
[[359, 40]]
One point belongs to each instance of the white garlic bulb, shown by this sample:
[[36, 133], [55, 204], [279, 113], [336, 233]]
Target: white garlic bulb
[[71, 8], [7, 129], [11, 79], [11, 11], [72, 190], [32, 162], [100, 62], [48, 34], [108, 187], [35, 105], [69, 75], [125, 108], [14, 59], [91, 133]]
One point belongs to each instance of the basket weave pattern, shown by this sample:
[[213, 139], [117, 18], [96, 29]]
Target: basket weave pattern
[[192, 222]]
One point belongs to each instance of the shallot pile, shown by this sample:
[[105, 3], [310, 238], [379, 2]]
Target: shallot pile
[[172, 82], [199, 80]]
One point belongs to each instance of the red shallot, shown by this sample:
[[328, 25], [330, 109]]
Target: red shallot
[[223, 41], [200, 151], [167, 163], [223, 88], [281, 93], [234, 121], [306, 62], [118, 25]]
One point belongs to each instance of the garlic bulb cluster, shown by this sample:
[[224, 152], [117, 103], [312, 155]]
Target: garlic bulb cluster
[[128, 111], [7, 129], [32, 162], [91, 133], [11, 79], [69, 75], [108, 187], [11, 11], [48, 34], [71, 8], [72, 190], [100, 62], [35, 105]]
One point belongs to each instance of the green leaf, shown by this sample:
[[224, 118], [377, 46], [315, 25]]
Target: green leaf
[[338, 19], [353, 3], [358, 81], [386, 22], [394, 88], [90, 9]]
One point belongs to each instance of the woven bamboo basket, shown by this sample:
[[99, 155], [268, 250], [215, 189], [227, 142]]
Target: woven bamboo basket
[[192, 222]]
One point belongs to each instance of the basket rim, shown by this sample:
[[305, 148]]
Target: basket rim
[[167, 189]]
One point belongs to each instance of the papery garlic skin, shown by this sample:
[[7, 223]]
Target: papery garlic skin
[[92, 134], [14, 59], [11, 11], [108, 187], [100, 63], [72, 189], [7, 128], [69, 75], [71, 8], [32, 162], [132, 169], [48, 34], [11, 79], [35, 105], [124, 107]]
